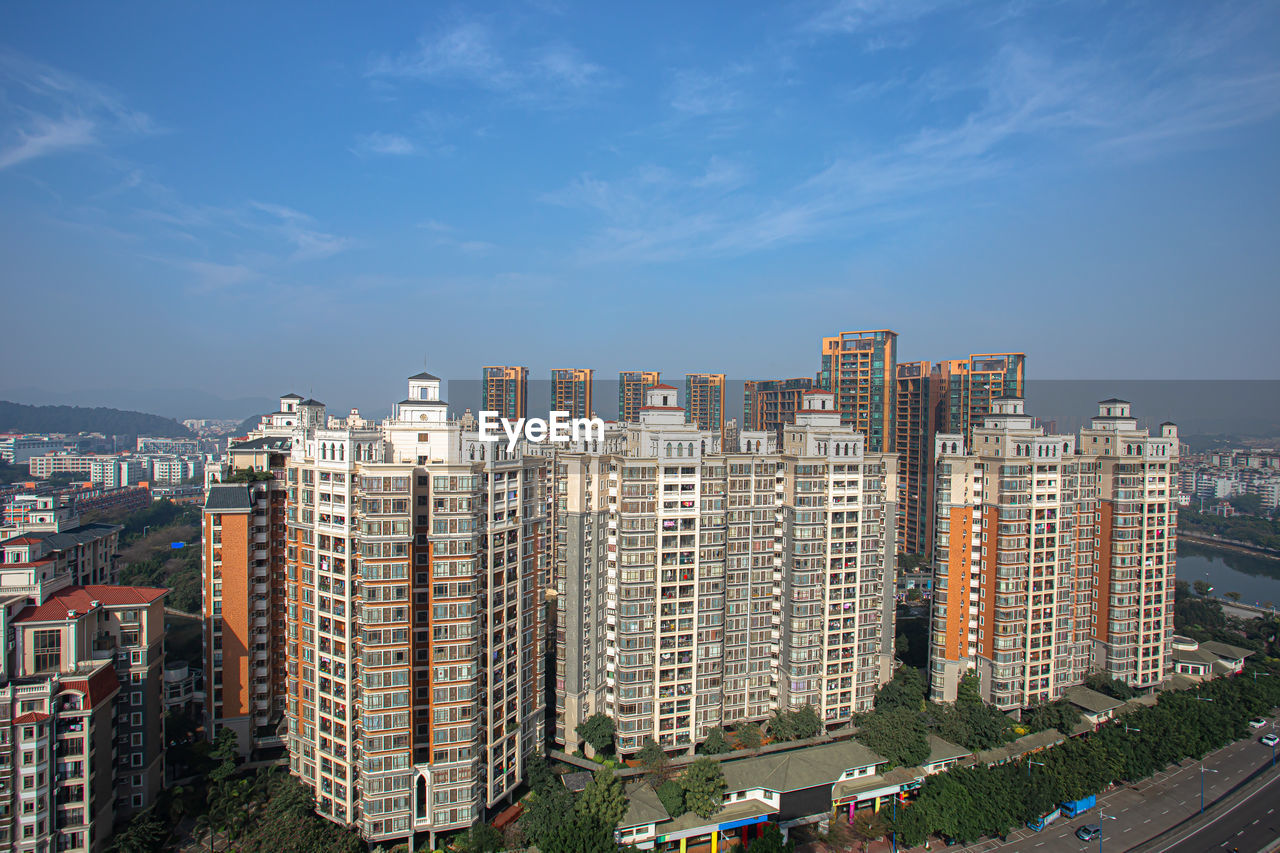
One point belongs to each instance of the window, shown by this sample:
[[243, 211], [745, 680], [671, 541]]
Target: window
[[48, 650]]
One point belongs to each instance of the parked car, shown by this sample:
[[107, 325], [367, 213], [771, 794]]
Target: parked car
[[1089, 832], [1270, 740], [1257, 724]]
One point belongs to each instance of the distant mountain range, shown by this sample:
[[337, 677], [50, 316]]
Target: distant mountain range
[[176, 403], [16, 417]]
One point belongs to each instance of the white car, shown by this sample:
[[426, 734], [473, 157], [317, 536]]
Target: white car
[[1270, 740], [1257, 724]]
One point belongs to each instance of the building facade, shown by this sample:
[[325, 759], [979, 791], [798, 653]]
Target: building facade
[[858, 367], [80, 713], [1135, 528], [571, 391], [1053, 556], [972, 385], [917, 395], [771, 404], [700, 585], [704, 401], [415, 559], [632, 384], [505, 390]]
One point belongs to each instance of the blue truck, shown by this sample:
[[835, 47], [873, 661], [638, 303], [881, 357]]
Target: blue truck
[[1072, 808], [1040, 824]]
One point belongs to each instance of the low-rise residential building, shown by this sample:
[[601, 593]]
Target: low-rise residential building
[[1208, 660], [788, 787]]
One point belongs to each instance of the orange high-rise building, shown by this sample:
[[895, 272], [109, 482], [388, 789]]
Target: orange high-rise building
[[704, 400], [631, 387], [771, 404], [506, 391], [859, 368], [571, 391]]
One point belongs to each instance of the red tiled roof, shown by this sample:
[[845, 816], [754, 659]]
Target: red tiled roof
[[663, 386], [97, 687], [818, 391], [21, 540], [30, 717], [80, 598]]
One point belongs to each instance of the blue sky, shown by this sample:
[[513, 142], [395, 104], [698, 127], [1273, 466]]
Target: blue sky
[[245, 198]]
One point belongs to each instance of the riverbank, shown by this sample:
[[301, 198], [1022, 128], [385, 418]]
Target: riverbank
[[1229, 545]]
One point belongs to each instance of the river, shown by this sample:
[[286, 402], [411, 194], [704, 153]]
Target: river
[[1257, 579]]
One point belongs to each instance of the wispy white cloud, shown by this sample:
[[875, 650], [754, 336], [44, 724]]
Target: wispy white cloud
[[699, 92], [865, 16], [209, 276], [1026, 105], [310, 244], [45, 135], [393, 144], [47, 111], [471, 54], [447, 236]]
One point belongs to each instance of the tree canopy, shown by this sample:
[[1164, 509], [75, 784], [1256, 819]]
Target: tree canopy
[[704, 787], [597, 730], [970, 802]]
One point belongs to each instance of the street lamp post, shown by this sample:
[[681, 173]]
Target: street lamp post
[[1129, 728], [895, 822], [1101, 818], [1203, 770], [1029, 763]]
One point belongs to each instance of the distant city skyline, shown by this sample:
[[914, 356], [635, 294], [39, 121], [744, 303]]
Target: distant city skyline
[[320, 197]]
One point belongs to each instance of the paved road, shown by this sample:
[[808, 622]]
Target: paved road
[[1247, 826], [1140, 812]]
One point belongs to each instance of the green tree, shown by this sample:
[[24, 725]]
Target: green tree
[[480, 838], [603, 799], [968, 692], [806, 723], [704, 787], [898, 734], [716, 743], [654, 760], [1234, 596], [545, 807], [144, 834], [578, 833], [770, 840], [597, 730], [1113, 687], [748, 736], [1202, 588], [905, 690], [1060, 715], [671, 795]]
